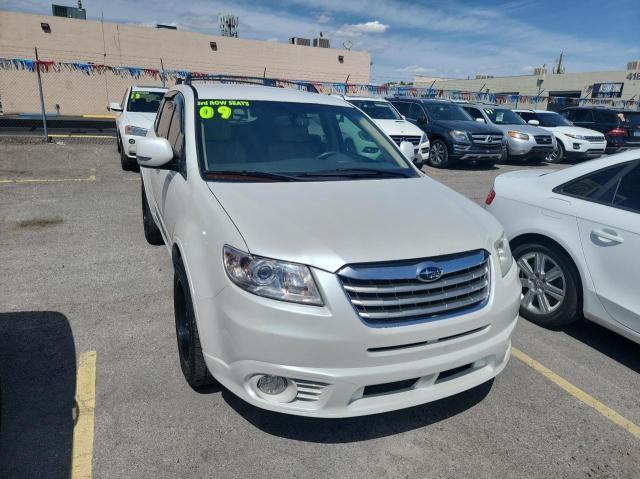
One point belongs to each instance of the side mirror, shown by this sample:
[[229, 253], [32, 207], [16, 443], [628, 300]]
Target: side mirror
[[407, 150], [115, 106], [153, 152], [533, 122], [481, 120]]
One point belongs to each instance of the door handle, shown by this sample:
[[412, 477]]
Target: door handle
[[608, 235]]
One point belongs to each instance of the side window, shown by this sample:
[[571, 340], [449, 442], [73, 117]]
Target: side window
[[569, 114], [597, 186], [474, 112], [606, 116], [417, 113], [176, 129], [627, 194], [402, 107], [164, 118], [583, 116]]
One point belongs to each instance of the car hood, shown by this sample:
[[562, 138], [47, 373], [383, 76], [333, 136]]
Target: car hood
[[327, 224], [528, 129], [576, 130], [144, 120], [470, 126], [398, 127]]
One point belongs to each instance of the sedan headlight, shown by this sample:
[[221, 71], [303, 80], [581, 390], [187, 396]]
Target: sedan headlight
[[517, 135], [575, 137], [503, 252], [271, 278], [460, 136], [135, 130]]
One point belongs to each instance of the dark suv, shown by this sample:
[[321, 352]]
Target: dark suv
[[621, 128], [453, 134]]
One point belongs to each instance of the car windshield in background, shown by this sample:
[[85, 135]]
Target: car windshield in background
[[446, 111], [293, 141], [145, 101], [502, 116], [378, 110], [552, 119], [632, 118]]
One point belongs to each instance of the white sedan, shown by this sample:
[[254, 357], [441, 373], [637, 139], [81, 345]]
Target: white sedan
[[137, 114], [575, 234]]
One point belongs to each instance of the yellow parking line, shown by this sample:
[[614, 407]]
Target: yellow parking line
[[72, 135], [91, 177], [578, 393], [82, 456]]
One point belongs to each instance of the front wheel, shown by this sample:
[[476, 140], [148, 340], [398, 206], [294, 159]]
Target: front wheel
[[550, 285], [558, 154], [190, 353], [439, 154]]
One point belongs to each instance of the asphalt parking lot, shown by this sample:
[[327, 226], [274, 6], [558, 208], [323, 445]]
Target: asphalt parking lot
[[77, 276]]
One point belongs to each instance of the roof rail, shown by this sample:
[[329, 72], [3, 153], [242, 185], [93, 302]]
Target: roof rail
[[269, 82]]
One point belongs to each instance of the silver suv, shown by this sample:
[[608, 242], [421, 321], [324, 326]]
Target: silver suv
[[523, 141]]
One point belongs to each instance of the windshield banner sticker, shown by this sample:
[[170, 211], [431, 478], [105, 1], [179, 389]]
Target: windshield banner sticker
[[208, 109]]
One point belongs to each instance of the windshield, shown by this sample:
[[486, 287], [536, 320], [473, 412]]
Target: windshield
[[552, 119], [378, 110], [502, 116], [294, 140], [446, 111], [145, 101]]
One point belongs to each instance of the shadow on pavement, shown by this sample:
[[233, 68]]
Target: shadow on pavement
[[337, 431], [37, 386], [617, 347]]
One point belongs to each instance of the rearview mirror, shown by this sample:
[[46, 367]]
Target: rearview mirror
[[481, 120], [407, 150], [115, 106], [534, 122], [153, 152]]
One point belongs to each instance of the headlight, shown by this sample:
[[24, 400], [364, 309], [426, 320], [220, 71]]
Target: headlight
[[460, 136], [271, 278], [503, 252], [135, 130], [517, 135], [424, 139], [575, 137]]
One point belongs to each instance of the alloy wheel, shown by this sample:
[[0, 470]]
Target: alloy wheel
[[543, 283], [437, 152]]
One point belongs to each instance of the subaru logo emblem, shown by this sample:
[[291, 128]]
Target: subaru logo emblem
[[429, 274]]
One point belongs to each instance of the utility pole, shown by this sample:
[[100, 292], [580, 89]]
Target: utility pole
[[44, 114]]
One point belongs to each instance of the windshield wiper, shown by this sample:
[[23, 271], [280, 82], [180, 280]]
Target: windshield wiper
[[245, 174], [355, 172]]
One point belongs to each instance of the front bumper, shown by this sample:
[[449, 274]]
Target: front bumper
[[331, 356], [528, 148], [421, 152], [579, 149], [477, 152], [127, 145]]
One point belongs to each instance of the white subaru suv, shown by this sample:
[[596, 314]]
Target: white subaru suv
[[302, 282], [136, 115], [391, 122]]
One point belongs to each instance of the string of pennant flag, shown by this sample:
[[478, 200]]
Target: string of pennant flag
[[46, 66]]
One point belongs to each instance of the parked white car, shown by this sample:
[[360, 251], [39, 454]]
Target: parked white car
[[573, 142], [575, 234], [391, 122], [137, 113], [303, 283]]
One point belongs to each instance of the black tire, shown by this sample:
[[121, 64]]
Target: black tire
[[151, 231], [566, 311], [128, 164], [438, 154], [192, 361], [419, 164], [118, 144], [558, 155]]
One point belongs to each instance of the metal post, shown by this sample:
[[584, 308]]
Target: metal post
[[162, 73], [44, 114]]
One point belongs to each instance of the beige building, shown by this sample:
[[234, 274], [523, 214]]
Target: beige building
[[65, 39], [619, 84]]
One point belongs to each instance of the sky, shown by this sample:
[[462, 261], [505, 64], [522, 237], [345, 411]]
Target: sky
[[433, 38]]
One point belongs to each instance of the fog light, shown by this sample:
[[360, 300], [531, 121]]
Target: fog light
[[272, 385], [576, 146], [132, 141]]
